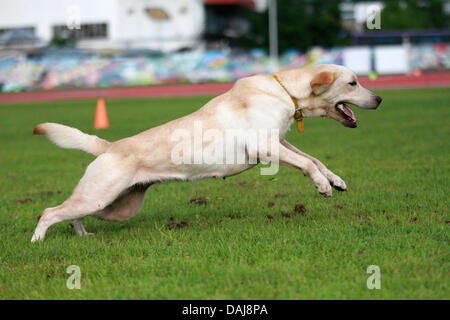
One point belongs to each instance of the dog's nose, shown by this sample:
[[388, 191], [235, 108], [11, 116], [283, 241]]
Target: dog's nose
[[379, 99]]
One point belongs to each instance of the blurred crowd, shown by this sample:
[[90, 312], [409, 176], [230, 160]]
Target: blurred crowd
[[77, 69]]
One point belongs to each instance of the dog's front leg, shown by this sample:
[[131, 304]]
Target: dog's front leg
[[292, 159], [334, 179]]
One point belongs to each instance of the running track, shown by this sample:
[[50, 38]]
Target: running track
[[383, 82]]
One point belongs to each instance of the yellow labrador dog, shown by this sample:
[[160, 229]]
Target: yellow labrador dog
[[114, 184]]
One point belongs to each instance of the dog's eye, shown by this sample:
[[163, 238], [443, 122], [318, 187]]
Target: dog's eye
[[353, 83]]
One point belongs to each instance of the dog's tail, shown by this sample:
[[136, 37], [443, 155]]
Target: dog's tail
[[71, 138]]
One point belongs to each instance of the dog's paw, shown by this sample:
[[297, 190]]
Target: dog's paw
[[337, 182], [324, 187], [35, 238], [327, 193]]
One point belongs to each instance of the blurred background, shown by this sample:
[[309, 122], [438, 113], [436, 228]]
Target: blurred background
[[55, 44]]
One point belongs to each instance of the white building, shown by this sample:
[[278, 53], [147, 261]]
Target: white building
[[163, 25]]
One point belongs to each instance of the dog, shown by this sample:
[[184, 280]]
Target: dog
[[114, 184]]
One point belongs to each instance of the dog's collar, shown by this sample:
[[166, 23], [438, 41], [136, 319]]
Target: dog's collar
[[298, 110]]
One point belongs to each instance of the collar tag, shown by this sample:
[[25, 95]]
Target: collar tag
[[298, 110], [299, 117]]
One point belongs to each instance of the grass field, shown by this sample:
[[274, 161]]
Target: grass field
[[395, 214]]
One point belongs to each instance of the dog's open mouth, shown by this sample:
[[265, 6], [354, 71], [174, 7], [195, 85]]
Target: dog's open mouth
[[349, 119]]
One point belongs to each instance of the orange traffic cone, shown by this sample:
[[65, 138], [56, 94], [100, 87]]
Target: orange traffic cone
[[101, 117]]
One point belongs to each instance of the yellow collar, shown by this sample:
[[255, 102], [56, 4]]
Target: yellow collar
[[298, 110]]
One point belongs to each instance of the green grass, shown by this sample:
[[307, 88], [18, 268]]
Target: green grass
[[395, 214]]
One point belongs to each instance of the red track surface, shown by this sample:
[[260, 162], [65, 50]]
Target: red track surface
[[384, 82]]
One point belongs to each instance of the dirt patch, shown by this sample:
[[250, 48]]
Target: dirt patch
[[270, 204], [22, 200], [11, 175], [44, 193], [49, 192], [279, 195], [414, 219], [234, 215], [300, 208], [172, 224], [340, 206], [285, 214], [202, 201], [240, 183], [268, 216]]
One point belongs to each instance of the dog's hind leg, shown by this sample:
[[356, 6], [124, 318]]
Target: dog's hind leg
[[79, 228], [126, 206], [105, 178]]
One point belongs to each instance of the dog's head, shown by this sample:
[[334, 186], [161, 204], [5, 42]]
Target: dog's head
[[332, 89]]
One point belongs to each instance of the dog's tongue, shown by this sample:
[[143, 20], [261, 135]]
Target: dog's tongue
[[349, 112]]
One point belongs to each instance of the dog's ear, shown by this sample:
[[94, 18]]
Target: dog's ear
[[322, 82]]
